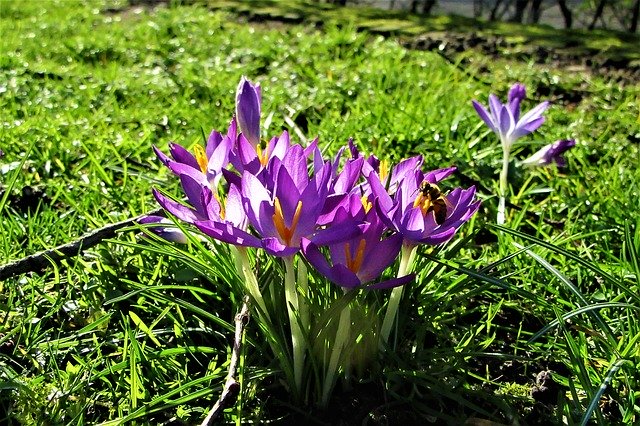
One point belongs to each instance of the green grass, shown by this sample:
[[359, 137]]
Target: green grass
[[138, 330]]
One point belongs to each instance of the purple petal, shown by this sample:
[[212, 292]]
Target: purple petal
[[287, 194], [353, 149], [315, 257], [517, 93], [336, 233], [312, 148], [484, 115], [495, 106], [379, 255], [228, 233], [181, 155], [279, 146], [524, 129], [213, 141], [403, 169], [535, 113], [219, 158], [274, 247], [248, 110], [295, 164], [180, 211], [258, 205], [247, 156], [161, 156], [439, 238], [395, 282], [185, 169], [506, 122], [383, 200], [550, 153], [436, 176], [193, 190], [234, 209], [349, 175]]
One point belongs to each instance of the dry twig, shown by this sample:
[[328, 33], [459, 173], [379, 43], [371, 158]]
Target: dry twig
[[231, 386], [39, 261]]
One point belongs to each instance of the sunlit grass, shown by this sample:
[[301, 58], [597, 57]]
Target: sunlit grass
[[130, 332]]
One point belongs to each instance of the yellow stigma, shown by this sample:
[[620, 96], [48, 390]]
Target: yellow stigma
[[263, 156], [285, 232], [201, 158], [366, 203], [354, 263]]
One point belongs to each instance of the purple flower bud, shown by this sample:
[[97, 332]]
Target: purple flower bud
[[166, 229], [248, 102], [551, 153], [516, 94]]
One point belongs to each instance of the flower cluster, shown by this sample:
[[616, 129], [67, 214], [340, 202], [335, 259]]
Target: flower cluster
[[348, 215]]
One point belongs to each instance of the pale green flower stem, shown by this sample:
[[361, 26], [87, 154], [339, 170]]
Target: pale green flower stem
[[504, 183], [342, 335], [251, 282], [407, 256], [295, 318]]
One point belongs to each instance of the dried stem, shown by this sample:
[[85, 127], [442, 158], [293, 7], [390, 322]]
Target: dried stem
[[231, 385], [39, 261]]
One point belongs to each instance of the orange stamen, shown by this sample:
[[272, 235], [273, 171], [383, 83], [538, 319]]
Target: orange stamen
[[201, 158], [263, 156], [366, 203], [354, 264], [285, 232], [221, 204], [384, 170]]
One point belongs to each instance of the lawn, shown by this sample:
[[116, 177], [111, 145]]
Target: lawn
[[527, 323]]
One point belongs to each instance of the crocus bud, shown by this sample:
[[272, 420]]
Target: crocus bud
[[516, 94], [248, 100], [549, 154]]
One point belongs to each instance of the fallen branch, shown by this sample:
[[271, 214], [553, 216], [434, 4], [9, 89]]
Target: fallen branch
[[39, 261], [231, 386]]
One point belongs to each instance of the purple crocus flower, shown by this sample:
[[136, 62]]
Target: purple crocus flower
[[283, 209], [409, 212], [550, 154], [199, 177], [253, 158], [390, 179], [505, 119], [248, 104], [362, 259]]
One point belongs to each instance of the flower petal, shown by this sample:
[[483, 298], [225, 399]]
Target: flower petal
[[484, 115], [228, 233], [248, 110], [392, 283], [378, 256], [181, 155], [180, 211]]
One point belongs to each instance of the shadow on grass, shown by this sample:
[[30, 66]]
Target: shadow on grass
[[607, 43]]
